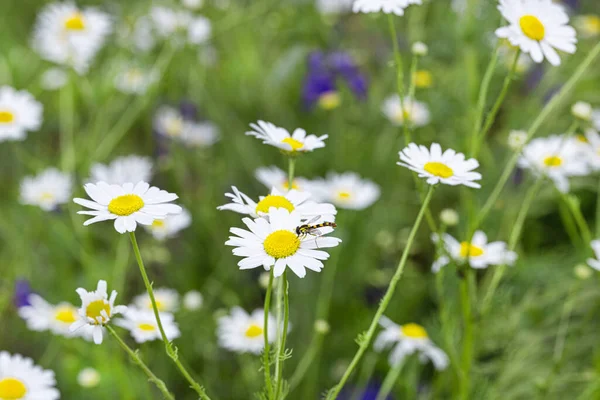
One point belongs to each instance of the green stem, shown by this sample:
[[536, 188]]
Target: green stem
[[67, 125], [266, 352], [365, 340], [291, 170], [136, 359], [364, 377], [399, 74], [390, 381], [413, 75], [467, 312], [170, 349], [573, 206], [281, 350]]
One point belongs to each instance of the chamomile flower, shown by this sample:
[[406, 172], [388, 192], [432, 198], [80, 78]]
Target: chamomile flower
[[19, 113], [127, 205], [292, 200], [595, 262], [134, 80], [273, 241], [143, 326], [169, 227], [169, 122], [347, 190], [297, 142], [517, 139], [387, 6], [192, 300], [88, 378], [67, 35], [241, 332], [192, 4], [20, 378], [582, 110], [180, 25], [587, 25], [479, 253], [47, 190], [54, 78], [96, 310], [593, 148], [167, 300], [42, 316], [408, 339], [274, 177], [556, 157], [199, 134], [415, 113], [449, 167], [538, 27], [122, 170]]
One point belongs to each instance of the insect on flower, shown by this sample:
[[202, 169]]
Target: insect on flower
[[309, 229]]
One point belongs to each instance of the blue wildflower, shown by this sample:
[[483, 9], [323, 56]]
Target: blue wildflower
[[22, 292]]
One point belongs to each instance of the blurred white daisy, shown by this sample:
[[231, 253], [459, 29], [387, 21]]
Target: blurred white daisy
[[582, 110], [199, 30], [142, 35], [587, 26], [595, 262], [123, 170], [169, 122], [167, 300], [538, 27], [275, 242], [192, 300], [47, 190], [274, 177], [406, 340], [347, 190], [143, 327], [593, 146], [199, 134], [517, 139], [88, 378], [241, 332], [192, 4], [328, 7], [127, 205], [387, 6], [292, 200], [65, 34], [134, 80], [556, 157], [596, 118], [20, 378], [169, 227], [449, 167], [415, 112], [96, 310], [297, 142], [180, 26], [19, 113], [479, 253], [54, 78]]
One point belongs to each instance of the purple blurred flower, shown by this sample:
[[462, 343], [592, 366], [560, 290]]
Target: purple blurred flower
[[324, 70], [22, 292], [370, 393]]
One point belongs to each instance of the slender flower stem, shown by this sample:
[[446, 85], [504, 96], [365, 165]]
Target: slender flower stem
[[399, 74], [389, 381], [467, 312], [291, 170], [266, 352], [136, 359], [170, 349], [366, 372], [573, 206], [365, 340], [281, 351]]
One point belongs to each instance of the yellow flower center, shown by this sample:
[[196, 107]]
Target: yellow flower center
[[65, 314], [438, 169], [413, 331], [286, 185], [532, 27], [581, 138], [158, 224], [6, 117], [344, 195], [330, 100], [12, 389], [423, 79], [274, 201], [254, 331], [46, 196], [174, 127], [159, 304], [75, 22], [591, 24], [95, 308], [281, 244], [125, 205], [467, 250], [553, 161], [293, 142], [146, 327]]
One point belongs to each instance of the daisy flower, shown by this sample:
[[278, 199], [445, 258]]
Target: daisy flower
[[274, 177], [167, 300], [199, 134], [192, 300], [274, 242], [387, 6], [19, 113], [88, 378], [292, 200], [143, 326], [593, 148], [596, 118], [167, 228], [241, 332], [556, 157], [449, 167], [479, 253], [169, 122], [587, 25], [297, 142], [538, 27], [517, 139], [192, 4], [408, 339], [47, 190], [347, 190], [180, 25], [415, 112], [20, 378], [134, 80], [582, 110], [42, 316], [127, 205], [329, 7], [123, 170], [595, 262], [67, 35], [96, 310]]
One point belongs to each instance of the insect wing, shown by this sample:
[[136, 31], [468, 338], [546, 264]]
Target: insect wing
[[315, 232], [312, 220]]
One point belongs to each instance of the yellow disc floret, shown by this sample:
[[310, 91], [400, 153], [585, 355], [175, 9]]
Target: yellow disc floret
[[253, 331], [281, 244], [75, 22], [6, 117], [438, 169], [553, 161], [330, 100], [532, 27], [470, 250], [296, 145], [95, 308], [274, 201], [146, 327], [12, 389], [414, 331], [125, 205], [65, 314], [342, 195]]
